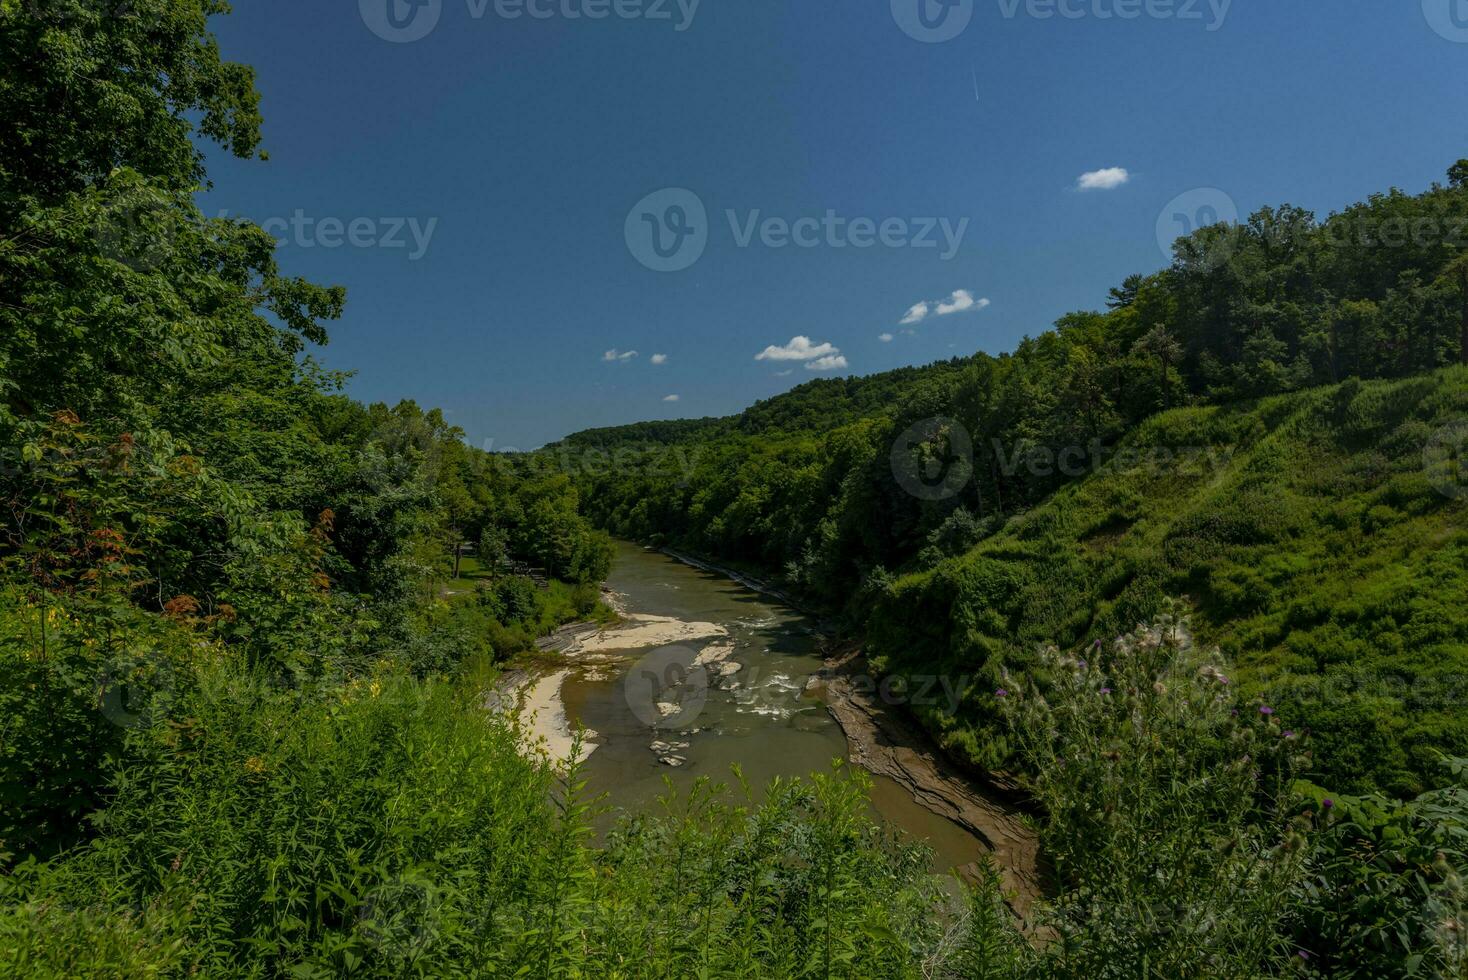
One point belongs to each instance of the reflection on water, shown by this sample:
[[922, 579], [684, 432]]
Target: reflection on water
[[689, 711]]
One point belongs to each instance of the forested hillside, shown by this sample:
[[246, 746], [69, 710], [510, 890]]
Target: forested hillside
[[246, 723], [182, 484], [979, 505]]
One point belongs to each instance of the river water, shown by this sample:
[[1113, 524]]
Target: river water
[[759, 718]]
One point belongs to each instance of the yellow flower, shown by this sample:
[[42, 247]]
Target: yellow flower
[[254, 765], [375, 688]]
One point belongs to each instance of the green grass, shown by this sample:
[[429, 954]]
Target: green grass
[[1318, 551]]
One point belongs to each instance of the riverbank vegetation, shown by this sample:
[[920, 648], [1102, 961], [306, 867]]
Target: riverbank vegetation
[[243, 722], [1271, 427]]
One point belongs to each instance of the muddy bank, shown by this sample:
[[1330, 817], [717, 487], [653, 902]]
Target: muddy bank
[[745, 672], [885, 741]]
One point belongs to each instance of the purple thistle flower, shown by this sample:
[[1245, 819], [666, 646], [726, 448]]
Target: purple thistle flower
[[1266, 710], [1106, 690], [1001, 693], [1328, 803], [1287, 734]]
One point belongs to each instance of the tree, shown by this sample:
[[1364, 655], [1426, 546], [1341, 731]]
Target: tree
[[1458, 174], [1160, 344], [1455, 277], [1126, 294]]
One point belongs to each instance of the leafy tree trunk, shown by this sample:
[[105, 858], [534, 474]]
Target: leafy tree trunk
[[1463, 325], [1335, 344]]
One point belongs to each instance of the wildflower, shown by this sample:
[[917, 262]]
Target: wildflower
[[1001, 693], [1266, 710], [1327, 803], [1106, 690], [1287, 734]]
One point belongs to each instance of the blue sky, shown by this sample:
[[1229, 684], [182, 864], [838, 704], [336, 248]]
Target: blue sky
[[508, 156]]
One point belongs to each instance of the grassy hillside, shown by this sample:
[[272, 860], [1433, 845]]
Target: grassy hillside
[[984, 504], [1320, 535]]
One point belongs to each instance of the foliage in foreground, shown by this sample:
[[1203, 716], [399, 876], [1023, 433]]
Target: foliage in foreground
[[389, 826], [1167, 809]]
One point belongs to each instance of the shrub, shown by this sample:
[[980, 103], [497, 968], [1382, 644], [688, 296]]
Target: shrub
[[1166, 807]]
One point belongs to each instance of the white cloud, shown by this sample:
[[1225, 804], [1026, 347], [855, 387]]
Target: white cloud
[[785, 374], [960, 302], [915, 315], [660, 358], [619, 355], [672, 398], [831, 362], [799, 349], [885, 338], [1103, 180]]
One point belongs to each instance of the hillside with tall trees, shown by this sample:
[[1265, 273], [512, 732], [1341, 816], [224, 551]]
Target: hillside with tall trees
[[1197, 558]]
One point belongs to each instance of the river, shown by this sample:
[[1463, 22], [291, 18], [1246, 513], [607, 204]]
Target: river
[[758, 717]]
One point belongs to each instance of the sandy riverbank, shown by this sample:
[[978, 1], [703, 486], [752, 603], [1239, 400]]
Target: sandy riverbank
[[641, 632], [547, 728], [881, 739], [536, 697]]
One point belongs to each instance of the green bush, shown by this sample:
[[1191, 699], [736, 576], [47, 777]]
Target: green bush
[[1168, 811], [389, 827]]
